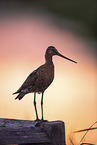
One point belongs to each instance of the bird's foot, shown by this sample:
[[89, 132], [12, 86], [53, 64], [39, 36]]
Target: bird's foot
[[38, 122], [42, 120]]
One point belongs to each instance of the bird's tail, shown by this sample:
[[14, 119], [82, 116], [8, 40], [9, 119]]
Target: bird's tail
[[20, 96]]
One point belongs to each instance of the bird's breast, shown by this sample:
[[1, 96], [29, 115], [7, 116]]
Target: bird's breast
[[45, 76]]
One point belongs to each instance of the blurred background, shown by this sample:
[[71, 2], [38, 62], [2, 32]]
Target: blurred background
[[27, 28]]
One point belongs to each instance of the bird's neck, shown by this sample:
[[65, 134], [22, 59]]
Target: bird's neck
[[49, 60]]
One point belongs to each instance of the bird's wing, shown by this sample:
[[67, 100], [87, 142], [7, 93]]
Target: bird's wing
[[29, 82]]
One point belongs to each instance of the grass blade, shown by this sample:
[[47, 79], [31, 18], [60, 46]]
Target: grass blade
[[85, 129], [86, 144], [71, 141], [87, 132]]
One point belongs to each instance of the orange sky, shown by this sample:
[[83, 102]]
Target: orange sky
[[72, 97]]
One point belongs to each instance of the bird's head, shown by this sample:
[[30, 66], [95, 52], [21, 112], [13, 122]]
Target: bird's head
[[51, 50]]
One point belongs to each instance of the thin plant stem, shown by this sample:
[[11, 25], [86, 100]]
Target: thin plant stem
[[71, 141], [87, 132]]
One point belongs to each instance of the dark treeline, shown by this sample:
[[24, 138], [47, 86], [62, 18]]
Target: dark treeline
[[84, 11]]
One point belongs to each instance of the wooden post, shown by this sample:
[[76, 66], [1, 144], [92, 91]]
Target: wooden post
[[14, 131]]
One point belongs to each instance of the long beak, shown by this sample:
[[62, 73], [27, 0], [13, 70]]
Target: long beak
[[66, 58]]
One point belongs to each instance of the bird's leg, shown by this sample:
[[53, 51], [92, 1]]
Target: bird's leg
[[42, 105], [35, 106]]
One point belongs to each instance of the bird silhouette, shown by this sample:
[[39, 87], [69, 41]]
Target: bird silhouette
[[39, 80]]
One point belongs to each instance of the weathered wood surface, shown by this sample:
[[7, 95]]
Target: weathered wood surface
[[14, 131]]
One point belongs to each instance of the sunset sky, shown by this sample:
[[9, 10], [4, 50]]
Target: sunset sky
[[72, 97]]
